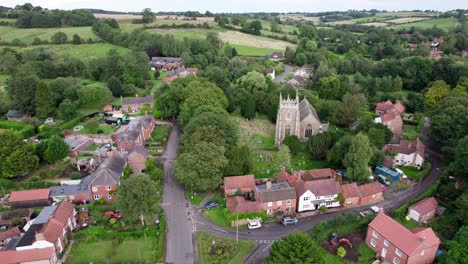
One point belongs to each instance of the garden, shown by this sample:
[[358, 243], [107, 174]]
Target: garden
[[155, 144], [215, 249]]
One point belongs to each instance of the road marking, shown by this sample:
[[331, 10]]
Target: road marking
[[198, 222], [267, 247], [218, 229]]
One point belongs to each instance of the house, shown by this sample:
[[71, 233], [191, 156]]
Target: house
[[239, 185], [436, 54], [368, 193], [133, 105], [135, 133], [296, 81], [412, 46], [351, 194], [275, 56], [6, 236], [270, 72], [30, 256], [136, 159], [394, 122], [276, 198], [408, 153], [6, 218], [304, 71], [388, 107], [30, 198], [107, 178], [311, 195], [157, 63], [424, 210], [13, 115], [180, 73], [77, 143], [239, 205], [49, 229], [306, 175], [393, 243]]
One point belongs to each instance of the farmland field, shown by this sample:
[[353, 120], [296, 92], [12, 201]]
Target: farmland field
[[406, 14], [403, 20], [443, 23], [369, 19], [238, 38], [193, 33], [118, 16], [376, 24], [27, 35]]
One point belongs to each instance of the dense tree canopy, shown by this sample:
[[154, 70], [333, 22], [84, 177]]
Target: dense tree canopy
[[297, 248]]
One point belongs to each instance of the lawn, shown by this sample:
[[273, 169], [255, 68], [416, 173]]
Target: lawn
[[197, 198], [216, 249], [253, 51], [239, 38], [160, 133], [216, 215], [411, 133], [181, 33], [106, 129], [443, 23], [27, 35]]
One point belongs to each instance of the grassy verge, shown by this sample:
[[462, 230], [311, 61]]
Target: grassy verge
[[216, 215], [252, 51], [197, 198], [24, 129], [215, 249]]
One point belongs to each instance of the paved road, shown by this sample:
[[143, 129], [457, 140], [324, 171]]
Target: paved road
[[179, 240], [287, 70], [265, 236]]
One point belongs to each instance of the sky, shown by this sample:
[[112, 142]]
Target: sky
[[240, 6]]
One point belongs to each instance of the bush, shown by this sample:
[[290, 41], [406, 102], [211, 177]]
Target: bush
[[341, 252], [75, 175], [323, 209], [25, 129], [100, 131], [71, 124]]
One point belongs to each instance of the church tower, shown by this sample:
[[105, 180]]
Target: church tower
[[287, 119]]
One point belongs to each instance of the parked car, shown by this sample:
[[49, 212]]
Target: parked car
[[255, 223], [383, 180], [289, 221], [211, 204], [113, 214], [370, 211]]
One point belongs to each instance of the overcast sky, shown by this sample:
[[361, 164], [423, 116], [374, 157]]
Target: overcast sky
[[247, 5]]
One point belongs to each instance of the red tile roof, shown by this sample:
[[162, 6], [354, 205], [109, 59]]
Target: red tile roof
[[54, 226], [238, 182], [319, 187], [394, 232], [400, 108], [425, 206], [384, 106], [427, 234], [283, 176], [238, 204], [350, 190], [320, 173], [369, 189], [31, 195], [389, 117], [192, 70], [13, 256], [408, 147], [10, 233]]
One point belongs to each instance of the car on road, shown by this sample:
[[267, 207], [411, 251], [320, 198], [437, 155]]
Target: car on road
[[370, 211], [289, 221], [211, 204], [383, 180], [255, 223]]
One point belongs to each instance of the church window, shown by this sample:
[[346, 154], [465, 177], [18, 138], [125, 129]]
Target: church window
[[308, 131], [288, 116], [287, 131]]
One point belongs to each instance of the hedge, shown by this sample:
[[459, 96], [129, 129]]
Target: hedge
[[25, 129], [234, 217], [72, 123]]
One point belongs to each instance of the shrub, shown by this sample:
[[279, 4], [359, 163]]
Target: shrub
[[112, 221], [75, 175], [341, 252], [323, 209], [100, 131], [71, 124]]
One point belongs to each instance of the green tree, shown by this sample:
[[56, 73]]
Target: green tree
[[319, 144], [59, 38], [256, 84], [460, 161], [57, 149], [76, 39], [298, 248], [202, 167], [67, 110], [239, 161], [94, 95], [294, 144], [329, 88], [137, 198], [358, 157], [248, 107], [20, 161], [45, 104], [300, 59], [462, 208], [435, 93], [284, 156], [308, 31], [115, 86], [274, 26], [349, 110], [341, 252], [22, 90], [339, 150], [147, 16]]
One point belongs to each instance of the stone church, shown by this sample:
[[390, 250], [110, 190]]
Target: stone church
[[297, 118]]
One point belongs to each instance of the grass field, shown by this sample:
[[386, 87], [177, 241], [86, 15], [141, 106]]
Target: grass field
[[216, 249], [376, 24], [369, 19], [180, 33], [118, 16], [27, 35], [253, 51], [239, 38], [405, 14], [443, 23], [404, 20]]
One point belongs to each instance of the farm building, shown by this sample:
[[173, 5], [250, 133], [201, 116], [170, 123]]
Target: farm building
[[30, 198], [424, 210]]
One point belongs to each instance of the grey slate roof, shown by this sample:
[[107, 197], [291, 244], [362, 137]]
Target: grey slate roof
[[278, 192], [30, 236], [133, 129], [306, 109], [14, 113], [138, 149], [109, 172], [45, 214]]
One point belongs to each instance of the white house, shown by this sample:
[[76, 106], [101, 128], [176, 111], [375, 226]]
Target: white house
[[302, 72], [271, 72], [408, 153], [311, 195]]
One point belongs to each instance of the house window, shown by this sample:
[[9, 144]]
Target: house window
[[396, 260], [109, 197], [306, 198], [308, 131], [328, 203], [373, 243], [305, 206], [108, 188], [386, 242], [398, 252], [269, 211], [287, 131], [270, 204], [94, 189], [288, 201], [279, 203], [375, 234], [96, 197], [63, 231], [289, 209]]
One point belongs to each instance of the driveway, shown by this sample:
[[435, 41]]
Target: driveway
[[287, 70], [265, 236], [180, 231]]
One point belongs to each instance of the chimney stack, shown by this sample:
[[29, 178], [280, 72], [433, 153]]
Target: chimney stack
[[40, 236], [268, 185]]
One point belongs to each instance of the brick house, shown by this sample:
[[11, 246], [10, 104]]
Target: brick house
[[394, 122], [276, 198], [306, 175], [311, 195], [30, 256], [30, 198], [393, 243], [424, 210], [408, 153], [370, 193], [135, 133], [351, 194], [136, 159], [180, 73], [6, 236], [133, 105], [49, 229], [13, 115], [242, 184], [107, 178], [388, 107], [239, 205]]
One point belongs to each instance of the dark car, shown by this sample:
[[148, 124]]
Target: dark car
[[211, 204], [289, 221]]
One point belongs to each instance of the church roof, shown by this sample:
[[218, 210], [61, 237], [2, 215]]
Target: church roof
[[306, 109]]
